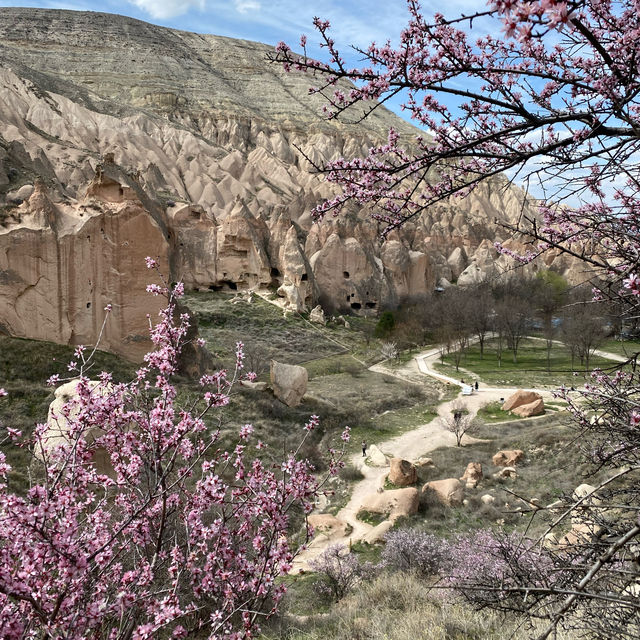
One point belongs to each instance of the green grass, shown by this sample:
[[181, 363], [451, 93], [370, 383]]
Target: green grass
[[553, 466], [264, 330], [625, 348], [530, 370]]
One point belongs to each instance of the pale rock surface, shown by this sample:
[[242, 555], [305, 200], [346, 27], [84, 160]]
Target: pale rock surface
[[327, 526], [402, 473], [472, 475], [535, 408], [457, 261], [199, 138], [57, 431], [506, 473], [375, 457], [378, 533], [393, 503], [507, 457], [519, 398], [449, 492], [254, 386], [317, 315], [289, 382], [487, 498]]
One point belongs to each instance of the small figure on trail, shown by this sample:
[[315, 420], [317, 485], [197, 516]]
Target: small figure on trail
[[462, 380], [364, 448], [476, 385]]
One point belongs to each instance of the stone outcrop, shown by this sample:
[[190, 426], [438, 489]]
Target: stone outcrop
[[327, 526], [289, 382], [449, 492], [376, 458], [507, 457], [193, 149], [472, 475], [392, 504], [402, 473], [520, 398], [535, 408], [61, 412]]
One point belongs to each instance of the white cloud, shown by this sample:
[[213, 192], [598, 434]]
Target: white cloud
[[246, 6], [162, 9]]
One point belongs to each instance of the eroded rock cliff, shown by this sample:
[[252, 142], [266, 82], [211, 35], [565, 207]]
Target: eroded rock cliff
[[120, 139]]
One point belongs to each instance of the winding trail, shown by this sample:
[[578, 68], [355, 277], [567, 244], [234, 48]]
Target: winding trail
[[409, 446]]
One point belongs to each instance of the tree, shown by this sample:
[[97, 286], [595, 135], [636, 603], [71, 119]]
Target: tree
[[582, 332], [480, 309], [550, 296], [556, 98], [460, 422], [177, 537]]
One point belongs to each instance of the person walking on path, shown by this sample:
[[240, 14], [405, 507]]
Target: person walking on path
[[364, 449], [476, 385]]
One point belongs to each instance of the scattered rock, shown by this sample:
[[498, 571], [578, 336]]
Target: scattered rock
[[519, 398], [472, 475], [317, 315], [507, 472], [402, 473], [507, 457], [57, 429], [289, 382], [535, 408], [254, 386], [376, 458], [22, 194], [378, 533], [487, 499], [393, 503], [449, 492], [423, 463], [328, 526]]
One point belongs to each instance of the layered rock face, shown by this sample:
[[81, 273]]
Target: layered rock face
[[120, 139]]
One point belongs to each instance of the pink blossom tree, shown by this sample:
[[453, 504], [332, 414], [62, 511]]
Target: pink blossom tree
[[177, 537], [555, 96]]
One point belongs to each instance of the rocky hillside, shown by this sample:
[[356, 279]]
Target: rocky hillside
[[120, 139]]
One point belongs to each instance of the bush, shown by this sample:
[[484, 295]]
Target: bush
[[411, 550], [386, 324], [340, 571]]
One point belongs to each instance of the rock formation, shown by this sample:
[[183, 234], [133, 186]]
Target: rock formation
[[507, 457], [289, 382], [448, 492], [121, 139]]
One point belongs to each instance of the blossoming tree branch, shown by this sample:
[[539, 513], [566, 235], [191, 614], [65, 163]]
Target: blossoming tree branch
[[545, 90]]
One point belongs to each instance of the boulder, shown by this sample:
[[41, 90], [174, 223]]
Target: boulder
[[449, 492], [487, 498], [254, 386], [57, 431], [507, 457], [376, 458], [423, 463], [402, 473], [535, 408], [378, 533], [519, 398], [289, 382], [317, 315], [472, 475], [506, 473], [393, 503], [328, 526]]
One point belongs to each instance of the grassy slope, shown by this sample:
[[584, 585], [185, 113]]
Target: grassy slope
[[530, 370]]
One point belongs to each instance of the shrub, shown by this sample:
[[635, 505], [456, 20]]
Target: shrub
[[340, 571], [412, 550], [385, 325]]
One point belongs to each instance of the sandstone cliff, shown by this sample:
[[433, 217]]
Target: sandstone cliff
[[120, 139]]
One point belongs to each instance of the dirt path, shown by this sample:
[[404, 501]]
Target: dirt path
[[410, 445]]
